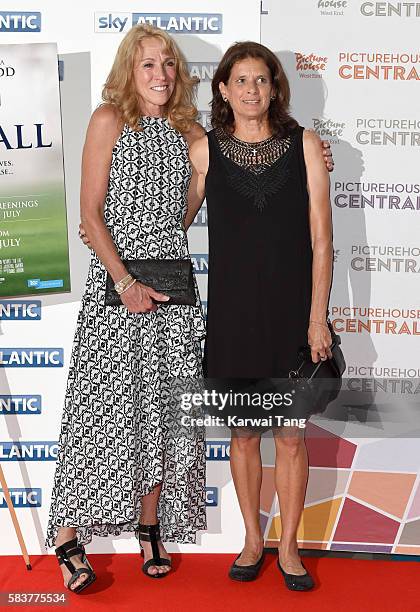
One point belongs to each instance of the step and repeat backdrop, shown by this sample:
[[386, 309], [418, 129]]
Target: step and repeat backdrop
[[354, 71]]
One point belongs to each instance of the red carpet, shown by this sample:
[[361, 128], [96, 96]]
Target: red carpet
[[199, 582]]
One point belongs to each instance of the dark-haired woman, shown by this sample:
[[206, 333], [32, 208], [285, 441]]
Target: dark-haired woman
[[270, 261]]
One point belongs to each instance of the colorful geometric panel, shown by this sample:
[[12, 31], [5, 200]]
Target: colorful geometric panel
[[387, 491], [415, 505], [407, 550], [411, 533], [267, 489], [316, 523], [361, 524], [389, 455], [314, 545], [326, 449], [263, 522], [373, 548], [324, 484]]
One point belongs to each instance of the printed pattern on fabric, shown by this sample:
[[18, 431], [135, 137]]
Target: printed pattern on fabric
[[115, 441]]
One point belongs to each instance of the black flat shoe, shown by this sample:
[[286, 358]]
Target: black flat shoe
[[64, 553], [246, 573], [294, 582], [151, 533]]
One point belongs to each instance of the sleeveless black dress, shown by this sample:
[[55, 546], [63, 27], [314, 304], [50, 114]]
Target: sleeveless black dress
[[260, 263]]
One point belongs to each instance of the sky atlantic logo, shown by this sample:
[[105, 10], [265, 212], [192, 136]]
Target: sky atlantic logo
[[400, 259], [399, 197], [376, 320], [28, 451], [388, 132], [18, 21], [212, 496], [11, 357], [20, 404], [390, 9], [174, 23], [328, 129], [204, 71], [22, 498], [201, 217], [379, 66], [332, 8], [217, 450], [310, 66], [200, 262], [20, 310]]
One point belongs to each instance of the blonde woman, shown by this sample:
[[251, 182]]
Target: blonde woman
[[119, 469]]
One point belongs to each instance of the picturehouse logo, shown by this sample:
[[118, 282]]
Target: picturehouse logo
[[376, 320], [18, 21], [376, 195], [310, 66], [387, 132], [390, 9], [327, 129], [332, 8], [174, 23], [379, 66], [400, 259]]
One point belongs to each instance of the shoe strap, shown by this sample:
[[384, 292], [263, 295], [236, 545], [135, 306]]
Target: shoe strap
[[151, 533], [67, 550]]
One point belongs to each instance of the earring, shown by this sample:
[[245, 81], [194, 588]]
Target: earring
[[224, 99], [273, 98]]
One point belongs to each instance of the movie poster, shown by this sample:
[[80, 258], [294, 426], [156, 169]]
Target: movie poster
[[33, 225]]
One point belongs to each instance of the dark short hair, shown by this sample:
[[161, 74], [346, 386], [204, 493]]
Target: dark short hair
[[279, 118]]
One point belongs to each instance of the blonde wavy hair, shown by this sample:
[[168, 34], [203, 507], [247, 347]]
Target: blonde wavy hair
[[119, 89]]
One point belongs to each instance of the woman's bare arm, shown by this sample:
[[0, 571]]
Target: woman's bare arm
[[321, 237], [102, 133]]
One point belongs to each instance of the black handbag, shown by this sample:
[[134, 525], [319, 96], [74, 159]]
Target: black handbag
[[315, 385], [173, 277]]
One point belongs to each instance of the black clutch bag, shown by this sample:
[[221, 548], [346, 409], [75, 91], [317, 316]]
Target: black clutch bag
[[317, 384], [173, 277]]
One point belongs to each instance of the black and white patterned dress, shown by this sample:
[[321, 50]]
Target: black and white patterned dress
[[114, 446]]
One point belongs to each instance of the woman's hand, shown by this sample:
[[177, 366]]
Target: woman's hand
[[83, 236], [319, 339], [139, 298], [327, 155]]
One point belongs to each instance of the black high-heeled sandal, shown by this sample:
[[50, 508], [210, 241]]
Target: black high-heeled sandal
[[64, 553], [151, 533], [295, 582]]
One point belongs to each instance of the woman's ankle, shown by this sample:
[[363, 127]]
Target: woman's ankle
[[65, 534]]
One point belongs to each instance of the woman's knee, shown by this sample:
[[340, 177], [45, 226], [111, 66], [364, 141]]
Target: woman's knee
[[245, 441]]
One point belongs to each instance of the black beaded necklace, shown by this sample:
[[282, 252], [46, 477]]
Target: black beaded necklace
[[254, 156]]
